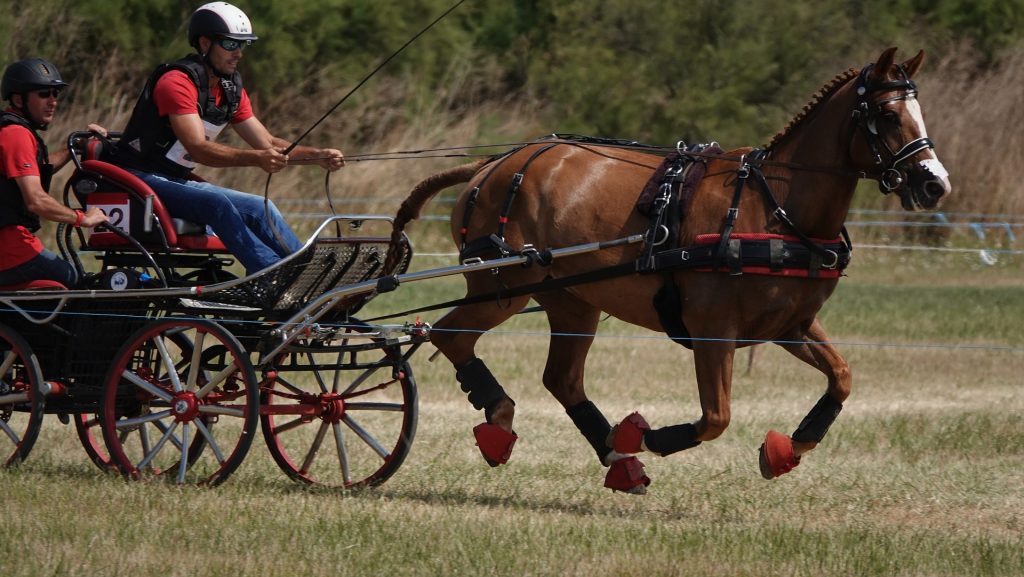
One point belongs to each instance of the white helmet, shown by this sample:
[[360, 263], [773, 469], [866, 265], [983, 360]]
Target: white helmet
[[219, 19]]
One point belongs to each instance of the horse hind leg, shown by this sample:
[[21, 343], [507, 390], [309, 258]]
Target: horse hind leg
[[456, 335], [779, 453], [573, 324]]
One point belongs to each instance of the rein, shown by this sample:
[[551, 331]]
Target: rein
[[266, 188]]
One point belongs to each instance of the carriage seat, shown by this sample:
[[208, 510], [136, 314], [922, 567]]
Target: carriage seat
[[124, 198]]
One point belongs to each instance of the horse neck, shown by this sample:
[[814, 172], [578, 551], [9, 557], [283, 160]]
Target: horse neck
[[816, 200]]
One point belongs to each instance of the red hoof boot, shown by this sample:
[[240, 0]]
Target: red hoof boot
[[627, 475], [495, 443], [626, 437], [777, 457]]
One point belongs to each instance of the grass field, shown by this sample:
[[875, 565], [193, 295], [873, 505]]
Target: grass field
[[920, 476]]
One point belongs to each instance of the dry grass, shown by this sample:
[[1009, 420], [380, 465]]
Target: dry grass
[[920, 476], [974, 117]]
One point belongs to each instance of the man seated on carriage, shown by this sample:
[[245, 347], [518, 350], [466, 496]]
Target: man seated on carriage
[[32, 88], [177, 118]]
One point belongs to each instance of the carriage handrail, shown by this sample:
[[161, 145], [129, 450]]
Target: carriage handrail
[[196, 291], [295, 326], [62, 299]]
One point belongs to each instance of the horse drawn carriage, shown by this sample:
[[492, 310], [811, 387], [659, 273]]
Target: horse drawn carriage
[[200, 356], [169, 365]]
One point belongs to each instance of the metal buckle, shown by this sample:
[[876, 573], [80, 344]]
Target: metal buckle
[[835, 260], [890, 180]]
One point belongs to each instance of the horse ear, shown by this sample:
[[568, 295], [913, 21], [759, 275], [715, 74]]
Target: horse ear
[[885, 62], [914, 64]]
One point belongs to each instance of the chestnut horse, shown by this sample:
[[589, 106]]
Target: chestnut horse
[[862, 124]]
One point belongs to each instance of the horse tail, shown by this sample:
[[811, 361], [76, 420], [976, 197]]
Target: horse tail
[[420, 196]]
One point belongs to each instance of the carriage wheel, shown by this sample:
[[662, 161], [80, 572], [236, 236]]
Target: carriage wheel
[[89, 425], [183, 413], [91, 436], [339, 419], [21, 404]]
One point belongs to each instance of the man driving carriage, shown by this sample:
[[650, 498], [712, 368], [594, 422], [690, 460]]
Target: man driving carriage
[[174, 126], [32, 87]]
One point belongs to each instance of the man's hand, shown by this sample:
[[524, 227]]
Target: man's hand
[[97, 129], [331, 159], [93, 217], [272, 160]]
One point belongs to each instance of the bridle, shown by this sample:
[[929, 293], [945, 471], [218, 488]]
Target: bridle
[[889, 176]]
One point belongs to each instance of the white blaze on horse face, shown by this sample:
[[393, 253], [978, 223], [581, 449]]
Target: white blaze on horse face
[[932, 165]]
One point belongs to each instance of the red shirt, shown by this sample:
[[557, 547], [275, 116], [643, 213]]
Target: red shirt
[[174, 93], [18, 149]]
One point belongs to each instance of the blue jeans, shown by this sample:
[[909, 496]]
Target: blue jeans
[[238, 218], [44, 266]]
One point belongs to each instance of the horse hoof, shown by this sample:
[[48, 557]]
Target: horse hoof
[[627, 475], [776, 455], [627, 436], [495, 443]]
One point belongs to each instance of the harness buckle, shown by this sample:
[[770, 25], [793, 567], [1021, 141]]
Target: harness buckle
[[835, 260], [662, 232]]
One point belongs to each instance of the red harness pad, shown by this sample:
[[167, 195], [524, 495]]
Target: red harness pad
[[711, 239]]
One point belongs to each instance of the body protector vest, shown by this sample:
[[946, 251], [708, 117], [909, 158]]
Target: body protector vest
[[148, 142], [12, 203]]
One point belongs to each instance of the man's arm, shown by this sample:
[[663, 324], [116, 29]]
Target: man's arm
[[189, 130], [40, 203], [256, 134]]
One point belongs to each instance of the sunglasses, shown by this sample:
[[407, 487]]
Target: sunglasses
[[44, 94], [230, 44]]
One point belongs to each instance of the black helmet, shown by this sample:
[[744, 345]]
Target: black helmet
[[27, 75], [219, 19]]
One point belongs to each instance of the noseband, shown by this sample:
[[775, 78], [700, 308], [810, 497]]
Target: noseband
[[889, 176]]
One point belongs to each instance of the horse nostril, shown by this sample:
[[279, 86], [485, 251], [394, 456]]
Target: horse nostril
[[934, 189]]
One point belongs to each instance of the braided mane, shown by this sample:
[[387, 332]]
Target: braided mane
[[823, 93]]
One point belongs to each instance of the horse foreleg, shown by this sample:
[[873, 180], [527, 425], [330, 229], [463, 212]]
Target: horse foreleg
[[813, 348], [713, 360]]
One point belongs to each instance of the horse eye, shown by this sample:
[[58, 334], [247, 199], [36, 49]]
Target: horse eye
[[890, 116]]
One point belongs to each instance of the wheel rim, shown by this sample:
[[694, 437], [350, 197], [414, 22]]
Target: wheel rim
[[89, 426], [90, 433], [339, 419], [186, 414], [21, 404]]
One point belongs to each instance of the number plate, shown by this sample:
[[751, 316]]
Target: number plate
[[118, 213]]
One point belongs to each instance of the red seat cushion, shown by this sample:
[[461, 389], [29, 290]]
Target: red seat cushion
[[201, 242], [34, 285], [128, 180]]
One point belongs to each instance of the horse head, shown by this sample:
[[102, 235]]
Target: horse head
[[890, 140]]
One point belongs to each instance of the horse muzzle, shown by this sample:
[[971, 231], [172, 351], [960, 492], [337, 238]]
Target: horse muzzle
[[926, 184]]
